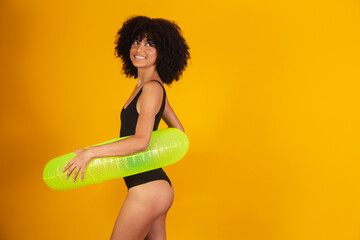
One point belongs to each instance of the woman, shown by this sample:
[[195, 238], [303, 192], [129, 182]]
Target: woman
[[154, 52]]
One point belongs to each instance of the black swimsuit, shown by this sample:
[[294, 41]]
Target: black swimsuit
[[128, 118]]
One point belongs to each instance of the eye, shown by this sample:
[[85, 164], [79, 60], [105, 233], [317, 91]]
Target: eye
[[135, 42], [149, 44]]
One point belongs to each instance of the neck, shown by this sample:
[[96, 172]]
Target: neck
[[146, 74]]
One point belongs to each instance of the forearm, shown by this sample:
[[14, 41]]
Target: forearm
[[123, 147], [175, 123]]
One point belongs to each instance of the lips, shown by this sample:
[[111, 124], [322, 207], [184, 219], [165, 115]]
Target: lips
[[139, 57]]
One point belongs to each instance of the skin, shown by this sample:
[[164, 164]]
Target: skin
[[143, 213]]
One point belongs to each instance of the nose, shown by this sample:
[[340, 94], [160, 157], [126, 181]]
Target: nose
[[140, 47]]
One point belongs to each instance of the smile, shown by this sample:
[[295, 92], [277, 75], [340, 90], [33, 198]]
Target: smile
[[139, 57]]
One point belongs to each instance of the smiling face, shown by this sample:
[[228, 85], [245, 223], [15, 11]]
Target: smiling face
[[143, 53]]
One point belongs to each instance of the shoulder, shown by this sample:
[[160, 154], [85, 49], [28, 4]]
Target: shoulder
[[152, 87], [151, 96]]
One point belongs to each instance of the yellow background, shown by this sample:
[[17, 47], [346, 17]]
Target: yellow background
[[269, 102]]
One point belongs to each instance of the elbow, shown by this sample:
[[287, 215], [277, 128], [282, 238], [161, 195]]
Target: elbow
[[144, 147], [143, 144]]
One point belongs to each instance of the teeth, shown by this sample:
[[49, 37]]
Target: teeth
[[140, 57]]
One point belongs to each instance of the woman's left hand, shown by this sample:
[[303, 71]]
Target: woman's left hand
[[80, 161]]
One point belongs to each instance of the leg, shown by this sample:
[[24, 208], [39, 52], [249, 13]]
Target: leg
[[133, 221], [158, 229], [142, 206]]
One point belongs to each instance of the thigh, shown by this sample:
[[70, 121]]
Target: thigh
[[134, 220], [142, 206], [158, 229]]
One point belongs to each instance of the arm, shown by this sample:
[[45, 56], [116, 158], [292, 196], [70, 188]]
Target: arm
[[170, 117], [151, 98]]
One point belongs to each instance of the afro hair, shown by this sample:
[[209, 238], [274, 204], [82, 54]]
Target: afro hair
[[172, 49]]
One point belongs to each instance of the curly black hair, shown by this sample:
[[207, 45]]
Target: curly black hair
[[172, 49]]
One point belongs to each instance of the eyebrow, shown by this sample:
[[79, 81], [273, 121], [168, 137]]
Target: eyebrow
[[150, 41]]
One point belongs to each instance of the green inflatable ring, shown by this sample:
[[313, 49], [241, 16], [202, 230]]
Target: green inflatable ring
[[166, 147]]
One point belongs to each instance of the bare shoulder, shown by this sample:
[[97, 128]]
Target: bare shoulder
[[152, 87]]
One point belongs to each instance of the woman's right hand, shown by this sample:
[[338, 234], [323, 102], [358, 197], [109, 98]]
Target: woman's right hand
[[79, 150]]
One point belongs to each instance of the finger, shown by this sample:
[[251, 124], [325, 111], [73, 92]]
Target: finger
[[83, 171], [68, 165], [82, 174], [70, 171], [76, 173]]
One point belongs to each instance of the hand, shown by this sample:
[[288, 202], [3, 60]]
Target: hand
[[80, 161], [79, 150]]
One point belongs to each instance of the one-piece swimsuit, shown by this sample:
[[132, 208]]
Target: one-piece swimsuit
[[128, 118]]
